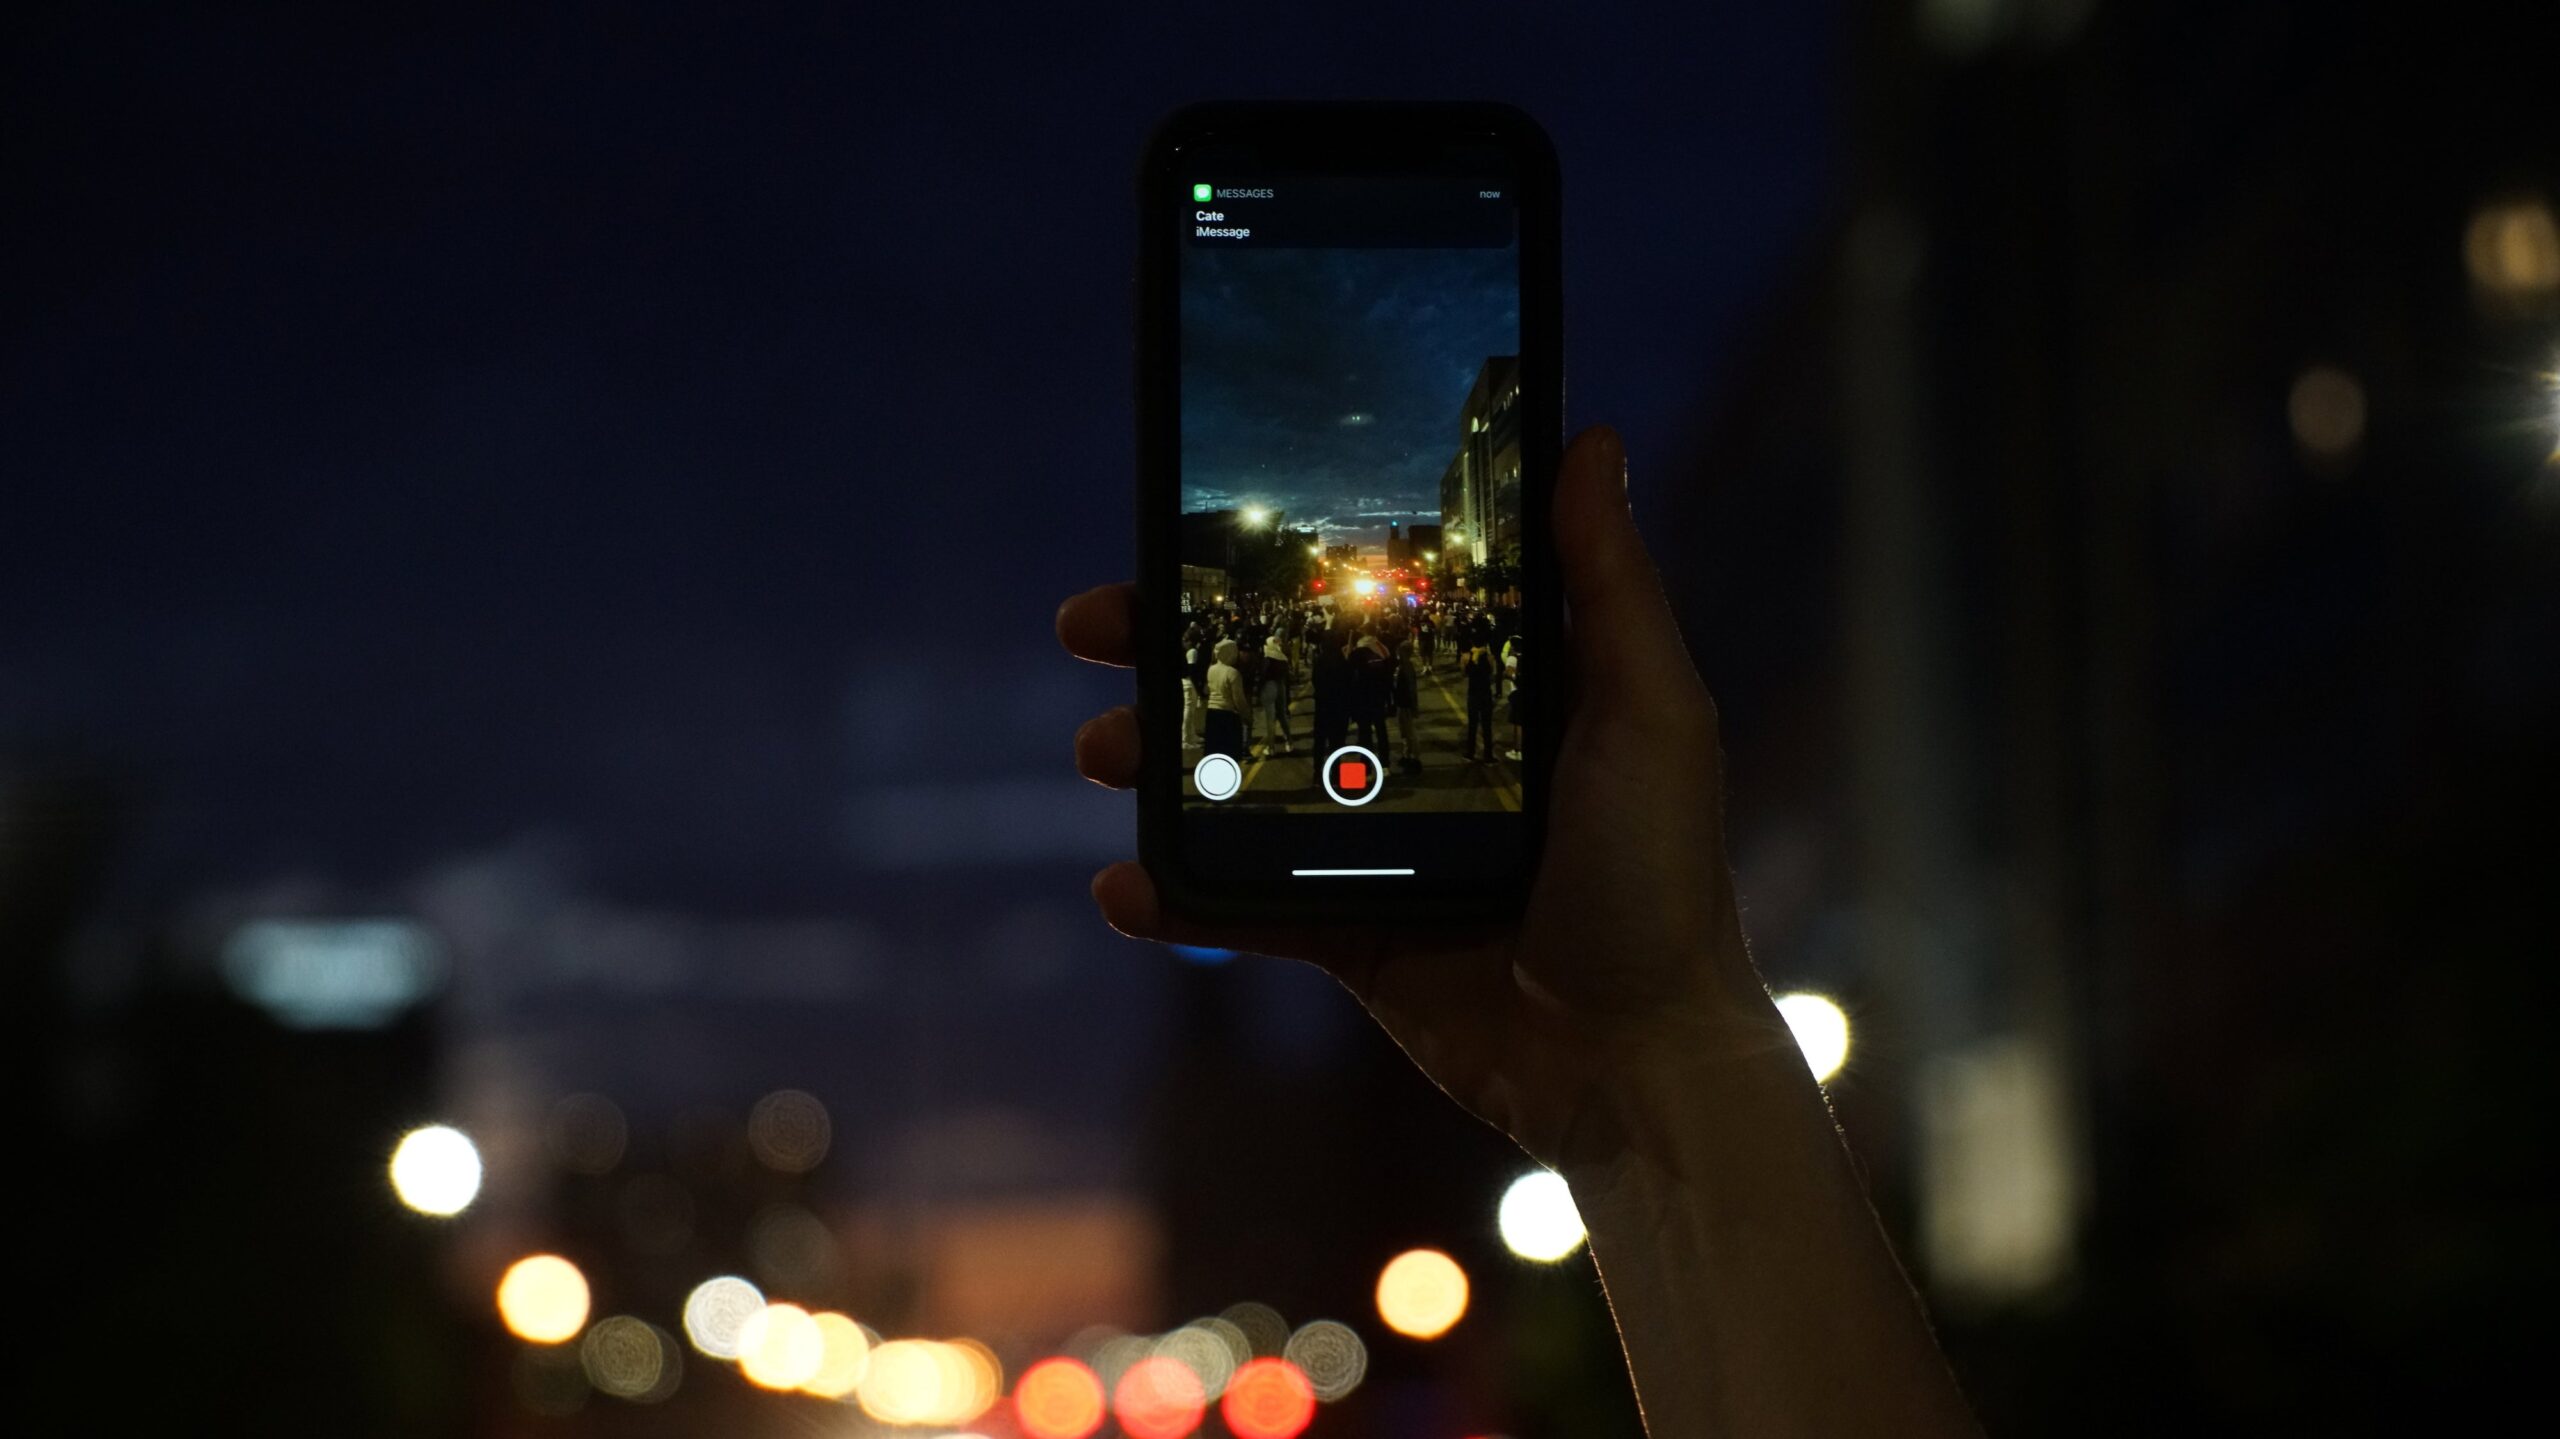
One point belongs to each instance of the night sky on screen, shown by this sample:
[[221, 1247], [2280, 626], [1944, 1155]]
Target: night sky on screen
[[1326, 383]]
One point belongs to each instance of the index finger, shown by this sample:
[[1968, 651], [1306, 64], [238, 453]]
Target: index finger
[[1099, 625]]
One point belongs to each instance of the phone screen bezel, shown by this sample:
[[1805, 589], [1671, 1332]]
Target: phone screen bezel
[[1236, 865]]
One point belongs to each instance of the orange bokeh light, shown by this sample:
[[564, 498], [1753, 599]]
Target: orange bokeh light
[[1268, 1399], [1058, 1399], [1159, 1398], [1421, 1293]]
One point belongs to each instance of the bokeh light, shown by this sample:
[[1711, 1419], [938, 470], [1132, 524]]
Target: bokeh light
[[973, 1379], [1113, 1357], [632, 1359], [1821, 1031], [779, 1347], [791, 1248], [543, 1298], [845, 1355], [789, 1131], [1331, 1356], [1265, 1332], [717, 1310], [2512, 249], [587, 1134], [922, 1381], [1159, 1398], [1058, 1399], [1421, 1293], [904, 1385], [1268, 1399], [1206, 1353], [2326, 410], [436, 1170], [1538, 1217]]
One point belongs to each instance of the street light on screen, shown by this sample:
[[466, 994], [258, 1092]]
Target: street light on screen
[[1255, 514]]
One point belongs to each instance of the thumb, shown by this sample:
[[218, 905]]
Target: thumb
[[1624, 637]]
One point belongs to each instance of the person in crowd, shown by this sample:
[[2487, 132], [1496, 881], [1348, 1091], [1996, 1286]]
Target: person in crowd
[[1478, 666], [1519, 711], [1372, 682], [1195, 673], [1227, 705], [1332, 680], [1408, 701], [1275, 697]]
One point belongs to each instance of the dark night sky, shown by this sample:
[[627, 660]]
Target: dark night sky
[[418, 433], [601, 482], [1327, 383]]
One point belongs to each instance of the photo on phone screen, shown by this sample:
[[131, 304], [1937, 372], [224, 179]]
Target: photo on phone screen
[[1350, 540]]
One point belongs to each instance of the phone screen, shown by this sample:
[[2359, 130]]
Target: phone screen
[[1351, 537], [1349, 405]]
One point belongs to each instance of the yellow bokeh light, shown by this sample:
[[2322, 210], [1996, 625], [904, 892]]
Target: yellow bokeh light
[[780, 1347], [2326, 409], [2512, 248], [436, 1170], [905, 1383], [543, 1298], [1821, 1031], [844, 1355], [973, 1379], [1421, 1293]]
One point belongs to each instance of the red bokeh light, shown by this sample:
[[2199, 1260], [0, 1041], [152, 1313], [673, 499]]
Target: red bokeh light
[[1159, 1398], [1058, 1399], [1268, 1399]]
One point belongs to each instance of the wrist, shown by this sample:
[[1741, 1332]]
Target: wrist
[[1692, 1097]]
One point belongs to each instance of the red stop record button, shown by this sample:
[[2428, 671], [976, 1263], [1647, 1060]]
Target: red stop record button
[[1353, 776]]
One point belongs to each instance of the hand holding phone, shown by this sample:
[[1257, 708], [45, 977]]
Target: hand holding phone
[[1618, 1030], [1629, 939]]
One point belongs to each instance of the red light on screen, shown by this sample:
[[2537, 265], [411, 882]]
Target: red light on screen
[[1354, 776]]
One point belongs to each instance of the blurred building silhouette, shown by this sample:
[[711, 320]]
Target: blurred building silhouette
[[2148, 736]]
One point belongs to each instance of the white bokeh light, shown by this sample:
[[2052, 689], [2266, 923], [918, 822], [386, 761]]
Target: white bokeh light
[[1538, 1218], [1821, 1031], [436, 1170], [717, 1310]]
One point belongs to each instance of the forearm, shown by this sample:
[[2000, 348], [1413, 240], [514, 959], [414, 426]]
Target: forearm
[[1754, 1292]]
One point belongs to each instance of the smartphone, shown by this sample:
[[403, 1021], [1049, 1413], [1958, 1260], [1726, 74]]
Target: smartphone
[[1350, 403]]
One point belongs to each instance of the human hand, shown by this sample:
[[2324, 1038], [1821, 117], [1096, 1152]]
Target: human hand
[[1628, 958]]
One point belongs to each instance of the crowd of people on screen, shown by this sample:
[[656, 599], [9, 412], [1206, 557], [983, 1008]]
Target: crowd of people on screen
[[1245, 667]]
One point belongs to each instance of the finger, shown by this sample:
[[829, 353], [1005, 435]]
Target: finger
[[1100, 624], [1107, 748], [1623, 631]]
